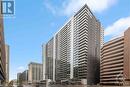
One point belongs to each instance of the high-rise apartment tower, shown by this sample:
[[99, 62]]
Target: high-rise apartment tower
[[74, 51]]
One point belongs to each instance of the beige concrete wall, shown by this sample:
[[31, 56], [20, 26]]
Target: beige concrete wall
[[127, 54]]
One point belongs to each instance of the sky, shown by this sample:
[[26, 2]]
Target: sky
[[36, 21]]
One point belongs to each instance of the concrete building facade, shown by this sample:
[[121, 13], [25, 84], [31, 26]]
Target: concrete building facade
[[115, 61], [86, 46], [75, 49], [35, 72], [18, 79], [2, 52], [22, 78], [49, 59], [7, 63]]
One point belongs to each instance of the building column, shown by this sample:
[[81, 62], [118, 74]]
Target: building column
[[54, 57], [44, 61], [71, 58]]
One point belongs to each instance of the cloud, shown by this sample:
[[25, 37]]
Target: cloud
[[50, 7], [68, 7], [117, 28], [95, 5], [20, 69]]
